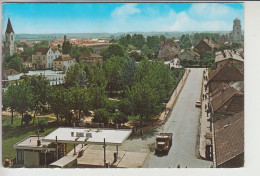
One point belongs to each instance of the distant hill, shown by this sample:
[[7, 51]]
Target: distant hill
[[108, 36]]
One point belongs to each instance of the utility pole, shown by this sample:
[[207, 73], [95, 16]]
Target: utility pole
[[104, 152]]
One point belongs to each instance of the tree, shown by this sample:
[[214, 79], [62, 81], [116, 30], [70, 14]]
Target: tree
[[138, 40], [113, 70], [144, 101], [42, 44], [40, 87], [113, 50], [96, 76], [66, 47], [16, 64], [80, 99], [24, 99], [101, 115], [77, 51], [153, 42], [10, 99], [136, 56], [97, 97], [162, 38], [55, 100], [129, 68], [76, 74]]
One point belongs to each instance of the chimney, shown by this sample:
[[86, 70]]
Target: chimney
[[65, 38]]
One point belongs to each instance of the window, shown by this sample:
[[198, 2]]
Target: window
[[39, 58], [20, 157], [49, 65], [11, 37]]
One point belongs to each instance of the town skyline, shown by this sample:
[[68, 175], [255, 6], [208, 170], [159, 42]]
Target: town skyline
[[51, 18]]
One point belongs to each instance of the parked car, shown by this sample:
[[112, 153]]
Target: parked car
[[198, 104]]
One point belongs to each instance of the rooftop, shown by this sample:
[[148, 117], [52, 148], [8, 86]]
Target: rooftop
[[88, 136], [31, 143], [227, 72], [229, 137], [222, 95], [228, 54], [9, 27], [64, 57]]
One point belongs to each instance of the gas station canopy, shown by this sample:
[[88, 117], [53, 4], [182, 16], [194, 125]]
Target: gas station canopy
[[94, 136]]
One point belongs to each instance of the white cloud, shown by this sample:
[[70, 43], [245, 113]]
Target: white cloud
[[125, 11], [204, 17]]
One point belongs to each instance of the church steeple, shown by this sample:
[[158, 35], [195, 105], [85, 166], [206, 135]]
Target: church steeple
[[9, 27]]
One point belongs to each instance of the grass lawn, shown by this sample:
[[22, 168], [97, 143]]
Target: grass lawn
[[15, 132]]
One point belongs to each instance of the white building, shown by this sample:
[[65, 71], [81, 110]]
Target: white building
[[42, 58], [236, 34], [63, 62]]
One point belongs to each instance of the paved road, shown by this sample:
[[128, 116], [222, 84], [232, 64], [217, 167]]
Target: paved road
[[183, 123]]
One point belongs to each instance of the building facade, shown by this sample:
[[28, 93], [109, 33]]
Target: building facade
[[90, 58], [42, 58], [63, 62]]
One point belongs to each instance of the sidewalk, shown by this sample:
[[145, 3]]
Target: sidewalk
[[174, 96], [204, 120]]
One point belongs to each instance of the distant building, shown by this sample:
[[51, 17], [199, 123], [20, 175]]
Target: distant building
[[229, 141], [90, 58], [206, 45], [227, 73], [9, 45], [42, 58], [233, 56], [63, 62], [168, 50], [189, 54], [236, 34]]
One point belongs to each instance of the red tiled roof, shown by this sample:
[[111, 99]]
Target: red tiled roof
[[227, 99], [227, 72], [229, 137], [9, 27]]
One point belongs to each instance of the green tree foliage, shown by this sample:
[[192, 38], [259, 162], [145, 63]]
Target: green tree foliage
[[162, 38], [97, 97], [40, 87], [28, 51], [96, 76], [76, 74], [128, 71], [101, 115], [80, 99], [66, 47], [153, 42], [24, 98], [16, 63], [144, 100], [113, 50], [185, 41], [126, 40], [136, 56], [76, 51], [113, 70], [42, 44], [9, 98], [138, 41]]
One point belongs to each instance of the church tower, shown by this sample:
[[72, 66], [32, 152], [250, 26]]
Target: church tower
[[237, 35], [10, 47]]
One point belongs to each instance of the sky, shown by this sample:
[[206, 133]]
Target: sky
[[44, 18]]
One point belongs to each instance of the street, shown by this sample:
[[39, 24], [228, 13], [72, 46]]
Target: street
[[183, 123]]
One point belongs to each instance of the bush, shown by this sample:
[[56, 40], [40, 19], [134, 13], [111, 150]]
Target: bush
[[101, 116], [27, 118], [42, 124]]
